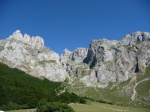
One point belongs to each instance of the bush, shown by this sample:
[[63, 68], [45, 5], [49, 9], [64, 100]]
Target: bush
[[13, 106], [71, 98], [53, 107], [83, 101]]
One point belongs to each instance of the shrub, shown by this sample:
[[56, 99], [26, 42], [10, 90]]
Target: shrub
[[53, 107], [83, 101], [13, 106], [71, 98]]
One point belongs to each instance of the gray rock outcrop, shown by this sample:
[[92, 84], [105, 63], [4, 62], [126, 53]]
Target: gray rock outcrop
[[73, 63], [66, 56], [35, 42], [117, 61], [77, 56], [30, 55]]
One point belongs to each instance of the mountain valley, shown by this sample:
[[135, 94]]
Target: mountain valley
[[112, 71]]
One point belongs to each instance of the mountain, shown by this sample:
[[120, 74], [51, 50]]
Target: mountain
[[117, 61], [108, 70], [30, 55]]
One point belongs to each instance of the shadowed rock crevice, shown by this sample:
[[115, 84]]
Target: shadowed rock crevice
[[137, 68]]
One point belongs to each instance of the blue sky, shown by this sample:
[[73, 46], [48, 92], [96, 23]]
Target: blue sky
[[73, 23]]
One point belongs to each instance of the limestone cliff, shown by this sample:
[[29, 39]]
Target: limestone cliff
[[30, 55], [103, 62], [117, 61]]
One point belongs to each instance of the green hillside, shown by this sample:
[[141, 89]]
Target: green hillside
[[19, 90], [100, 107]]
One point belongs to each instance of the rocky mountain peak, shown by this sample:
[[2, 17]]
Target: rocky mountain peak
[[35, 42], [133, 38], [31, 56], [17, 35], [117, 61], [77, 56], [66, 56], [66, 52]]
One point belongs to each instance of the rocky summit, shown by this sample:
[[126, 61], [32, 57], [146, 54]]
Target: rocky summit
[[117, 61], [103, 62], [31, 56]]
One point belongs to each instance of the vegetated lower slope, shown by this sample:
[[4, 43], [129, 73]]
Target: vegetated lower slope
[[99, 107], [92, 106], [133, 92], [19, 90]]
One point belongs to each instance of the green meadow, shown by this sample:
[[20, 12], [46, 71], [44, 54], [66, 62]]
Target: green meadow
[[99, 107], [96, 107]]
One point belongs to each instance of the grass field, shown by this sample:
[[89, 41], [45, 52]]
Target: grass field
[[96, 107]]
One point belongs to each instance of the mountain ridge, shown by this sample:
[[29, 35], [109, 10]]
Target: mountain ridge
[[30, 55]]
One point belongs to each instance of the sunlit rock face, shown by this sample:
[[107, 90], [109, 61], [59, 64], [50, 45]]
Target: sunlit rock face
[[30, 55], [77, 56], [36, 41], [103, 62], [117, 61]]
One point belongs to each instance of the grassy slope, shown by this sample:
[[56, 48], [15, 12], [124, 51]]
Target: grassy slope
[[20, 88], [143, 88], [119, 93], [98, 107]]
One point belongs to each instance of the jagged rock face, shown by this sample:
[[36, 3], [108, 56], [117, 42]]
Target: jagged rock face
[[36, 42], [117, 61], [73, 62], [76, 56], [30, 55], [79, 55], [132, 39], [103, 62], [66, 56], [99, 50]]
